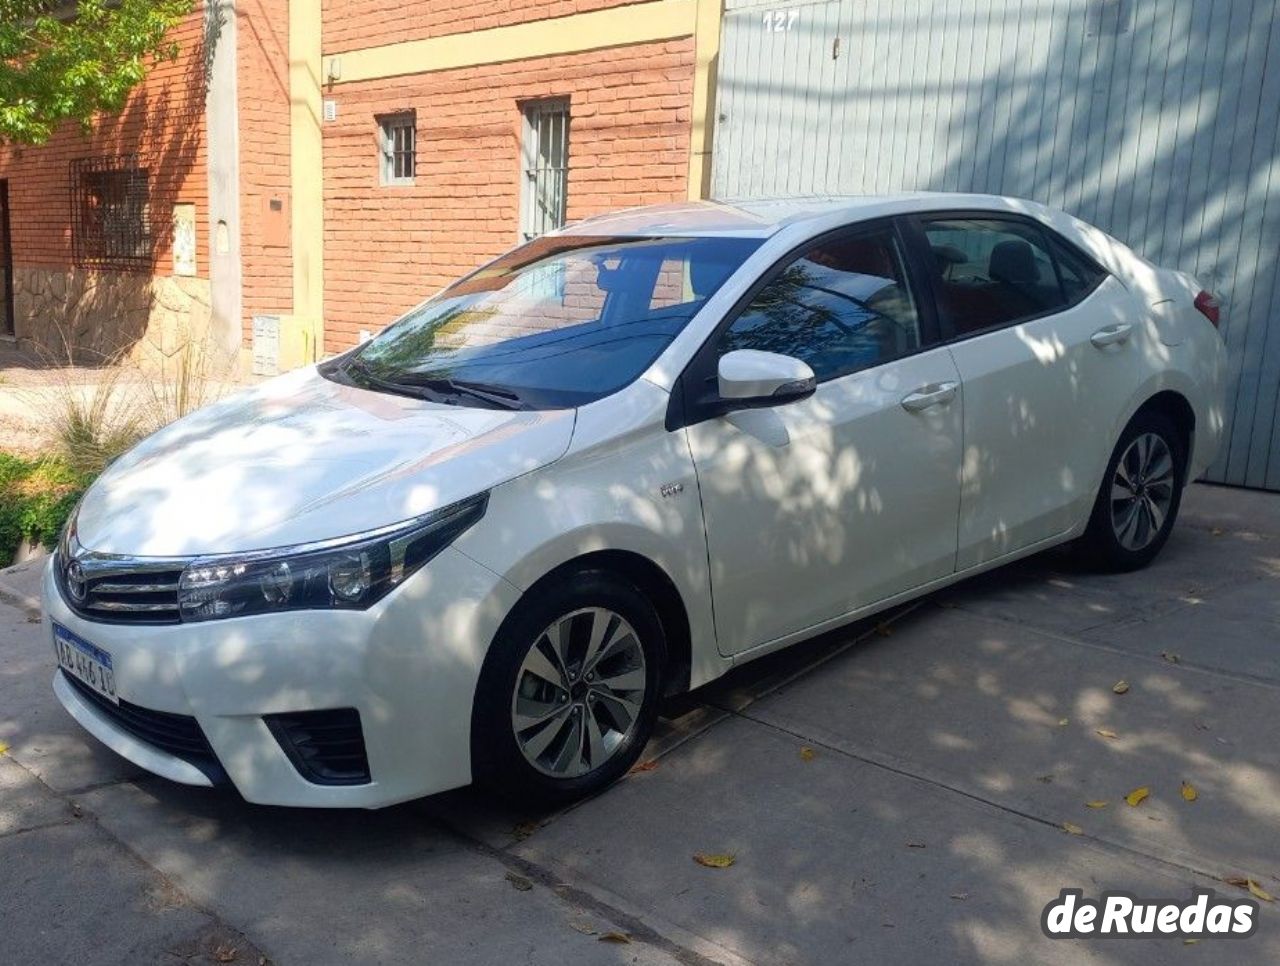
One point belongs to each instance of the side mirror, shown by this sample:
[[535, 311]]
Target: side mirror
[[749, 378]]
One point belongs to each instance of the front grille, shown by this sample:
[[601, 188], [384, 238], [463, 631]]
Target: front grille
[[177, 734], [327, 747], [121, 592]]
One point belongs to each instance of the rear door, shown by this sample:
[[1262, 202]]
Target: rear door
[[1046, 354], [818, 507]]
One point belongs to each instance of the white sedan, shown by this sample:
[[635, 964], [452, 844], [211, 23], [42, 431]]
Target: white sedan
[[609, 466]]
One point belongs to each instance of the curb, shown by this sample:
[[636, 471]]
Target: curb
[[10, 594]]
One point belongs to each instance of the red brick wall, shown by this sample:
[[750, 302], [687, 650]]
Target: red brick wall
[[352, 24], [386, 248], [163, 124], [262, 29]]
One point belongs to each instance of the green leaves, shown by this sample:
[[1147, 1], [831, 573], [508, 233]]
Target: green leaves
[[68, 61]]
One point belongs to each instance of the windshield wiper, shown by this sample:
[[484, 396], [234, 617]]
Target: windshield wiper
[[495, 395], [433, 387]]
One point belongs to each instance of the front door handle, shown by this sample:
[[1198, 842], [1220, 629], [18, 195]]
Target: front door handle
[[926, 397], [1111, 335]]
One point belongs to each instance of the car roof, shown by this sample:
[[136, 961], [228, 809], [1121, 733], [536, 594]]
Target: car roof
[[761, 218]]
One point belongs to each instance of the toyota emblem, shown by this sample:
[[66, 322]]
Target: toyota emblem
[[77, 586]]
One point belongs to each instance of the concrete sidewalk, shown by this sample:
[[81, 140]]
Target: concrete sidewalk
[[944, 750]]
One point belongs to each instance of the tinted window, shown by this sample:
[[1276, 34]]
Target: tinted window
[[558, 322], [1079, 276], [993, 273], [842, 306]]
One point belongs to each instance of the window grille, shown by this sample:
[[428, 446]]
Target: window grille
[[399, 148], [111, 213], [546, 167]]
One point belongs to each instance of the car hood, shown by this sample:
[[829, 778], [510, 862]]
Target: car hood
[[301, 458]]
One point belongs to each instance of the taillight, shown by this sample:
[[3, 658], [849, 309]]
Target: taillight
[[1208, 306]]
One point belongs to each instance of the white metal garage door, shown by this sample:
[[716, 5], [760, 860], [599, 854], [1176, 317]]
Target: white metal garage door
[[1156, 121]]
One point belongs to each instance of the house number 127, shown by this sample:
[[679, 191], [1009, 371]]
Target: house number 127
[[780, 21]]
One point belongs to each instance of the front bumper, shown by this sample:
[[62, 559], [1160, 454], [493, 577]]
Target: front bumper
[[409, 665]]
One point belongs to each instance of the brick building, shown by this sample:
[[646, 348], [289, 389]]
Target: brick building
[[308, 169]]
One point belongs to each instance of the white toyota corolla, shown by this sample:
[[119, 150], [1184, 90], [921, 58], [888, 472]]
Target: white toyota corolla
[[609, 466]]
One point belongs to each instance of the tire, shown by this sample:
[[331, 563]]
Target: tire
[[1138, 500], [536, 702]]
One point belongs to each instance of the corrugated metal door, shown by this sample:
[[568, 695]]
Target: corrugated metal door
[[1156, 121]]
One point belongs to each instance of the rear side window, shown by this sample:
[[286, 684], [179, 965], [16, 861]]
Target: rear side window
[[996, 272], [1079, 276], [841, 306]]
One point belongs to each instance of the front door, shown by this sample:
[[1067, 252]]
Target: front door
[[6, 264], [823, 506]]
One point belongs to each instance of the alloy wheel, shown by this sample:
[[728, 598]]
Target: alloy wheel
[[1142, 491], [579, 692]]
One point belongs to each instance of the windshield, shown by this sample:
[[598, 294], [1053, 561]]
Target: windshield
[[556, 323]]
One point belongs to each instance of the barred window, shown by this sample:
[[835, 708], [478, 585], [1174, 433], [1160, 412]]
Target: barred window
[[546, 167], [111, 213], [399, 148]]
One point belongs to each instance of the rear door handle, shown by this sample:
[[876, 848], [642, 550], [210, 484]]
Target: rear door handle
[[1111, 335], [935, 394]]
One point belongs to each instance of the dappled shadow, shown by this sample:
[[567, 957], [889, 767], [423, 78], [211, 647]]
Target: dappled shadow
[[1155, 123]]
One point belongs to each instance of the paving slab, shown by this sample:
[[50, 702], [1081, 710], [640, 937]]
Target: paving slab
[[71, 895], [839, 860], [381, 887], [978, 705], [24, 802]]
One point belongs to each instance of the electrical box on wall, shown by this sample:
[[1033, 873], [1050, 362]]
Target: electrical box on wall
[[266, 345], [275, 221]]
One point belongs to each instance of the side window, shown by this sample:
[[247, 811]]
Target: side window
[[1079, 277], [991, 273], [842, 306]]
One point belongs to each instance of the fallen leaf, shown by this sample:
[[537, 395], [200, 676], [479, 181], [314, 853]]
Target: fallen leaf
[[1238, 881], [1189, 792], [225, 954], [615, 937], [915, 845], [1120, 687], [1063, 722], [1107, 733], [712, 860], [1097, 803], [807, 754], [1260, 893], [1137, 796], [1072, 828], [1170, 657], [1190, 942], [583, 927], [4, 749], [960, 896], [519, 882], [522, 830], [643, 766]]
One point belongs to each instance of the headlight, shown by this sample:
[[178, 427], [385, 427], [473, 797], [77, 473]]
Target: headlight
[[349, 574]]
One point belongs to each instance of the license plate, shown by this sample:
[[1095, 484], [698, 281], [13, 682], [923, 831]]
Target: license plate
[[85, 661]]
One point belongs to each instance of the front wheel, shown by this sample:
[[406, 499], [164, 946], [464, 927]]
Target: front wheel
[[1141, 491], [569, 691]]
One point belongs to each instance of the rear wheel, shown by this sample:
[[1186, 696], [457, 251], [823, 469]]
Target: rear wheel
[[1141, 492], [570, 689]]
